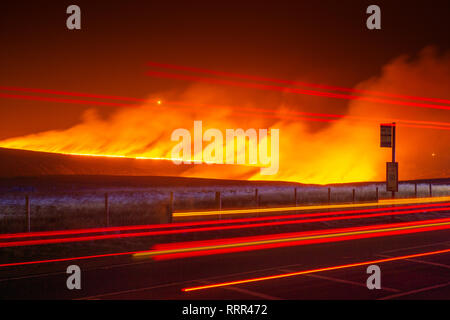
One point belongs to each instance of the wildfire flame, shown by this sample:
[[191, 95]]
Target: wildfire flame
[[145, 133], [342, 151]]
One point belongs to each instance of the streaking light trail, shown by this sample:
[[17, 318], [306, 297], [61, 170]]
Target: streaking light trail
[[204, 229], [292, 274], [220, 246], [426, 226], [290, 82], [64, 100], [292, 90], [244, 111], [15, 264], [207, 222], [71, 93], [386, 202]]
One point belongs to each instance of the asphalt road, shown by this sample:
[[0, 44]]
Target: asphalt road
[[127, 278]]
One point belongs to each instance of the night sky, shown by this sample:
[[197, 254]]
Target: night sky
[[322, 42], [319, 41]]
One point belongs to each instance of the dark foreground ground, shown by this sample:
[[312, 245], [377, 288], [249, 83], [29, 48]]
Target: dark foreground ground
[[125, 278]]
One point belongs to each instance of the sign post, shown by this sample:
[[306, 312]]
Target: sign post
[[392, 177], [387, 140]]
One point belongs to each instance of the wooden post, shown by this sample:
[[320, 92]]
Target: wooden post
[[171, 207], [329, 195], [431, 191], [295, 196], [377, 196], [106, 210], [218, 200], [219, 203], [27, 207], [353, 196], [415, 190]]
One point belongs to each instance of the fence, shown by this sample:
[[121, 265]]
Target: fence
[[256, 198]]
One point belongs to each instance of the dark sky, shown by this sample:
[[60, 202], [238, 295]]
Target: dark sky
[[316, 41]]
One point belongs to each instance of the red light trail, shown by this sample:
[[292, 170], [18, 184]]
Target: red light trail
[[293, 234], [71, 93], [214, 242], [15, 264], [290, 82], [280, 116], [429, 225], [298, 273], [233, 246], [385, 202], [292, 90], [205, 229], [180, 103], [210, 222], [244, 111], [73, 101]]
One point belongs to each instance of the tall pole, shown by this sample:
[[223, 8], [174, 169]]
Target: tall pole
[[393, 151]]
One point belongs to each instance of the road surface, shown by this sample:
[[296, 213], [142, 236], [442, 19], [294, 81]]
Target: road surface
[[125, 277]]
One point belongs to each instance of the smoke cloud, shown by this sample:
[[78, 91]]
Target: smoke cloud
[[342, 151]]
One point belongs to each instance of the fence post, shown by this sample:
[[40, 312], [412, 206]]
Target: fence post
[[377, 196], [431, 192], [295, 196], [329, 195], [218, 200], [106, 210], [415, 190], [27, 207], [219, 204], [171, 207], [353, 196]]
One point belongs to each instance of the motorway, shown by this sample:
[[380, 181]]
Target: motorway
[[144, 276]]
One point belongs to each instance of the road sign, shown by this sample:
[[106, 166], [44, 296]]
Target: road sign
[[392, 176], [386, 135]]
